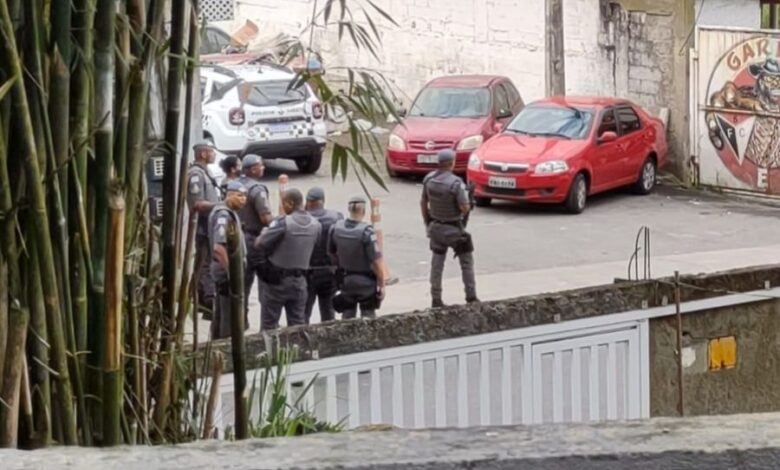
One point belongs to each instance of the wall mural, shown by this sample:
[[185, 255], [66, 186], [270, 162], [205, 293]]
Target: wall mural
[[743, 112]]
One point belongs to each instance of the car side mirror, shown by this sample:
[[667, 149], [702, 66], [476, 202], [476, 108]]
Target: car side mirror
[[402, 113], [503, 114], [607, 137]]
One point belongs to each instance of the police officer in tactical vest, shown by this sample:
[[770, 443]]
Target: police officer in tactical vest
[[202, 196], [353, 245], [287, 245], [255, 216], [222, 214], [445, 207], [322, 275]]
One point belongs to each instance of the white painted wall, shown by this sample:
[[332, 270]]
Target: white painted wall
[[742, 13], [438, 37]]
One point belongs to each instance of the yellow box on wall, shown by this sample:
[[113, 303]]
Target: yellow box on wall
[[723, 353]]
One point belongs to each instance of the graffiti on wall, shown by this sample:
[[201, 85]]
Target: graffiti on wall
[[743, 112]]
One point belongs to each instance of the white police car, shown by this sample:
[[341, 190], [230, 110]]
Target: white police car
[[253, 109]]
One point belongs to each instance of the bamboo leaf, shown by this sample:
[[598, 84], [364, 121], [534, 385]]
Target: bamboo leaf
[[382, 12], [355, 154], [371, 24], [328, 9]]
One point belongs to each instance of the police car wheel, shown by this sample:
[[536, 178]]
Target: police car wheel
[[578, 195], [309, 165]]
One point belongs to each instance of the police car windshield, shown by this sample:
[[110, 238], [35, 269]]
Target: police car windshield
[[274, 93], [452, 103], [552, 121]]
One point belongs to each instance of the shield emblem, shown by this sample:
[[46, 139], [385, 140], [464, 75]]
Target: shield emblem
[[430, 145], [504, 167]]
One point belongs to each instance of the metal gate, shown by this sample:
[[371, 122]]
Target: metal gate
[[584, 370], [735, 108]]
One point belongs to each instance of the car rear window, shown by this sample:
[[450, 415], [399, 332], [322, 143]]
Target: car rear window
[[272, 93], [452, 102], [571, 123]]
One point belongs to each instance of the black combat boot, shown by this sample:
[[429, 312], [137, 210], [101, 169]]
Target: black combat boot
[[472, 300], [437, 303]]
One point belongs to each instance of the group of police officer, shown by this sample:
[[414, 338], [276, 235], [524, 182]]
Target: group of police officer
[[306, 254]]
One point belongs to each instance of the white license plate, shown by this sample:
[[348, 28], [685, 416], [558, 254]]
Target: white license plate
[[427, 159], [279, 128], [499, 182]]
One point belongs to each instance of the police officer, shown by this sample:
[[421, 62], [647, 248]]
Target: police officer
[[255, 216], [287, 245], [202, 196], [222, 214], [322, 279], [353, 245], [445, 206]]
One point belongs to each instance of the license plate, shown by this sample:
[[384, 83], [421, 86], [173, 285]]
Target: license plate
[[427, 159], [279, 128], [499, 182]]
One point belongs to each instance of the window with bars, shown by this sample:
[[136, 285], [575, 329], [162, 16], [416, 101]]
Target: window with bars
[[770, 14], [218, 10]]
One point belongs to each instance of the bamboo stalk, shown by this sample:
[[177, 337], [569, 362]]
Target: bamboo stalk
[[140, 77], [122, 94], [12, 372], [193, 56], [40, 219], [38, 347], [173, 96], [186, 284], [83, 13], [112, 358], [218, 362], [236, 255], [59, 92], [4, 299], [105, 18]]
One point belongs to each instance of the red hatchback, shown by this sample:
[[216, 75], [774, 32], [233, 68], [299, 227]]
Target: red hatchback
[[458, 113], [561, 150]]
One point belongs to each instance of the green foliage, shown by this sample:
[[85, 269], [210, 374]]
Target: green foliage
[[276, 413]]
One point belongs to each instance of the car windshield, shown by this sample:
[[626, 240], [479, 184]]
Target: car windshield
[[272, 93], [452, 102], [552, 121]]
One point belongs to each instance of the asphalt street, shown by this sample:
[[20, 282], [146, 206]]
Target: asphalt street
[[523, 249]]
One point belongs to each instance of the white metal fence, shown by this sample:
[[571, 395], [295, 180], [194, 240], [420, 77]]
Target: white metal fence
[[592, 369]]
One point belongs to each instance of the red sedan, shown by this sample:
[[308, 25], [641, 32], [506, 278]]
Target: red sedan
[[561, 150], [455, 112]]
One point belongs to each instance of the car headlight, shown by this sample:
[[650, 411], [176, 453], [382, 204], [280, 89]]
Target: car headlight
[[552, 167], [470, 143], [474, 161], [396, 143]]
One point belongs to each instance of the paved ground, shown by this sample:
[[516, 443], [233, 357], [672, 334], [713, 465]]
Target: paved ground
[[523, 249]]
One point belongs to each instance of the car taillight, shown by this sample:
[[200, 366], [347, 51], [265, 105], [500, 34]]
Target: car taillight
[[236, 116], [316, 111]]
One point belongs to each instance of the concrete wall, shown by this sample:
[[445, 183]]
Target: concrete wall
[[704, 443], [744, 13], [753, 385], [627, 48], [354, 336]]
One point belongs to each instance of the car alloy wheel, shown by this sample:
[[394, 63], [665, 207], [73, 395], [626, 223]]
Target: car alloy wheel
[[578, 195], [648, 176], [582, 194]]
